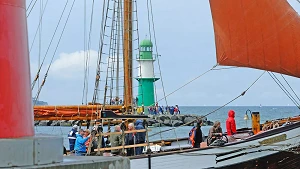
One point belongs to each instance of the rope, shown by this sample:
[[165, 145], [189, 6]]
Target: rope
[[84, 48], [154, 35], [31, 8], [290, 87], [276, 80], [109, 55], [36, 32], [29, 5], [46, 74], [39, 70], [188, 83], [88, 52], [40, 36], [139, 51], [100, 50], [242, 94], [232, 67]]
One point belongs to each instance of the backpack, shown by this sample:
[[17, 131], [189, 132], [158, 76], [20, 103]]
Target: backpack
[[192, 136]]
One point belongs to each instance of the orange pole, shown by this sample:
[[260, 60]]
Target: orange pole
[[16, 117]]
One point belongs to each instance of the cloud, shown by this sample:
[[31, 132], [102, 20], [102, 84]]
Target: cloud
[[71, 65]]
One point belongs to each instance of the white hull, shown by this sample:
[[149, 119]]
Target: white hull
[[206, 158]]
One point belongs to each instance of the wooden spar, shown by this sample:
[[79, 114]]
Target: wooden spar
[[127, 53], [76, 107], [73, 112]]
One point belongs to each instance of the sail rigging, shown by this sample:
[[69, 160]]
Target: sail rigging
[[117, 34], [257, 34]]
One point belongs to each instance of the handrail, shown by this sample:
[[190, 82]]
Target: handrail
[[126, 132], [120, 147]]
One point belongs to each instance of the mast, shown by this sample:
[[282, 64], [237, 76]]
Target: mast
[[127, 53]]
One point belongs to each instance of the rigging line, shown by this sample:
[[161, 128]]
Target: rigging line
[[155, 42], [40, 37], [84, 49], [88, 52], [46, 74], [298, 1], [109, 55], [29, 5], [115, 49], [290, 87], [100, 49], [149, 23], [31, 9], [188, 83], [284, 90], [149, 27], [39, 70], [112, 51], [36, 32], [138, 37], [242, 94], [118, 48], [232, 67]]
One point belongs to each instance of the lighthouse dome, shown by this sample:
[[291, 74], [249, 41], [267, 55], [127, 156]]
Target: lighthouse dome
[[146, 43]]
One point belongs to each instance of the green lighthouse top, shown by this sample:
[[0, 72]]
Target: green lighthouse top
[[146, 49], [146, 43]]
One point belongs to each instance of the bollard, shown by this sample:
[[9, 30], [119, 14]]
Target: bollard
[[255, 122]]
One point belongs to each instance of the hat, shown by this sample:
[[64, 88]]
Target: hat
[[75, 126]]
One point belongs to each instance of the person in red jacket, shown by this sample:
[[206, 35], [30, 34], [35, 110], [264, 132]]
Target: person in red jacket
[[230, 123]]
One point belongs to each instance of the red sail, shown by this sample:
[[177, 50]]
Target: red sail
[[261, 34]]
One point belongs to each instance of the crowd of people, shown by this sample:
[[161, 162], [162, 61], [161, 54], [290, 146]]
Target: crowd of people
[[155, 110], [215, 132], [80, 140]]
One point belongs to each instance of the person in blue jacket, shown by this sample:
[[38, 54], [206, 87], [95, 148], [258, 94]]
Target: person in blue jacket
[[140, 137], [72, 137], [80, 148]]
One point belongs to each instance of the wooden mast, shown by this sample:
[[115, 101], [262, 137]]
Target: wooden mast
[[127, 54]]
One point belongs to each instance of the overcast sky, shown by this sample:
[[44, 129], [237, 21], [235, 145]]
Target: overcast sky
[[185, 41]]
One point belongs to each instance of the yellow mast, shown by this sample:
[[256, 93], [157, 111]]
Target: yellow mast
[[127, 54]]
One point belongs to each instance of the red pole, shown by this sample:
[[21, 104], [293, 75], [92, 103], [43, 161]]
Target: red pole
[[16, 114]]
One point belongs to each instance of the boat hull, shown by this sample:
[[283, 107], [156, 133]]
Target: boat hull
[[264, 146]]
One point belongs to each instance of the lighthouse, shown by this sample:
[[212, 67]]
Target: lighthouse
[[146, 76]]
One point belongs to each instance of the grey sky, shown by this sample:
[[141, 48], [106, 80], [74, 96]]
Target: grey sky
[[185, 41]]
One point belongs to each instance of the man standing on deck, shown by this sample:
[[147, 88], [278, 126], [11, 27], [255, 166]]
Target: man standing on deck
[[80, 148], [72, 137], [116, 140]]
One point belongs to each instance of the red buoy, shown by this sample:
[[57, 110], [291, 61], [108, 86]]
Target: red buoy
[[16, 113]]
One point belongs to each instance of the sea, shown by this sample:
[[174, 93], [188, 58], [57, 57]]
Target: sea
[[266, 113]]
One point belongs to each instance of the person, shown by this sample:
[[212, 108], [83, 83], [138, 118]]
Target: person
[[86, 134], [191, 135], [214, 132], [140, 137], [80, 148], [230, 123], [116, 140], [72, 137], [65, 151], [197, 135], [130, 139]]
